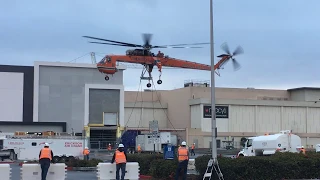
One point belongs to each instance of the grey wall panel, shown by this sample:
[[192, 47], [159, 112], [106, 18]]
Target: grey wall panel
[[62, 93], [102, 100]]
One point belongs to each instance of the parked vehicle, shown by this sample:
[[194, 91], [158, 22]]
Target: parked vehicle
[[284, 141], [148, 142], [27, 147]]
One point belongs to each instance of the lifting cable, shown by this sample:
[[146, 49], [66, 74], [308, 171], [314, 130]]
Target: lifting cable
[[164, 110], [140, 121], [134, 105]]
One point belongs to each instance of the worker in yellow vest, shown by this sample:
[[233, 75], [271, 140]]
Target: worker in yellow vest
[[86, 153], [120, 157], [45, 158], [139, 148], [183, 158]]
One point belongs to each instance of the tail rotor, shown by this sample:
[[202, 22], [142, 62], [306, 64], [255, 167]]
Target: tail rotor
[[237, 51]]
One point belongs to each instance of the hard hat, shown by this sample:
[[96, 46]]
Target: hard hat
[[183, 143], [86, 148], [46, 144], [109, 144], [121, 146], [302, 147]]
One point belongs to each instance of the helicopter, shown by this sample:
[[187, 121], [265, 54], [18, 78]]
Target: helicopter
[[142, 55]]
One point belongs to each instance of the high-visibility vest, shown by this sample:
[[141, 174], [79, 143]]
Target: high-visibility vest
[[120, 157], [139, 148], [45, 153], [183, 154], [86, 152], [192, 147], [109, 147]]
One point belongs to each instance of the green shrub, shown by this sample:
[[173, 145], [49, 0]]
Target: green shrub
[[278, 166], [154, 165], [83, 163], [144, 161], [163, 168]]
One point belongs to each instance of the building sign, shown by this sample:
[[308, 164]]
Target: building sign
[[221, 111]]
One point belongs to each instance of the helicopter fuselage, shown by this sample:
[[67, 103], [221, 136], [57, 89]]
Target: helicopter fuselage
[[138, 52]]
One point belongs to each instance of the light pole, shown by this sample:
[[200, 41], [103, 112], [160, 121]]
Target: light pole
[[213, 161], [213, 107]]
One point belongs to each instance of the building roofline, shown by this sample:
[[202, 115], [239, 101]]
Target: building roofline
[[254, 102], [8, 65], [304, 88], [67, 64]]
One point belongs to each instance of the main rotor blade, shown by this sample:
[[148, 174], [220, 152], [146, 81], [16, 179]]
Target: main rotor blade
[[186, 44], [238, 51], [225, 47], [112, 44], [173, 47], [147, 39], [236, 65], [133, 45]]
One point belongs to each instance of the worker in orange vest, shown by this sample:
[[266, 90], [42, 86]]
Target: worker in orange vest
[[86, 153], [192, 149], [302, 150], [183, 158], [139, 148], [120, 157], [109, 147], [45, 158]]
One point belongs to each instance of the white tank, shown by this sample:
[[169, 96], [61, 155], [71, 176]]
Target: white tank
[[317, 147], [283, 141]]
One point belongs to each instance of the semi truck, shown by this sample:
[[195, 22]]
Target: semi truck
[[148, 142], [284, 141], [27, 147]]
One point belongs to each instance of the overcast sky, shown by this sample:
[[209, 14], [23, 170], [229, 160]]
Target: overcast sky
[[280, 39]]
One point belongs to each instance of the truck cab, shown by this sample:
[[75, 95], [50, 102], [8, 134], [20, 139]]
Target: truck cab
[[247, 148]]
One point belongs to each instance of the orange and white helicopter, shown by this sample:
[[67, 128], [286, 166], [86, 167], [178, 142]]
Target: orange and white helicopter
[[144, 56]]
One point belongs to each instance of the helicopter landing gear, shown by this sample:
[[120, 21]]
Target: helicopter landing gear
[[106, 78], [159, 81], [149, 85]]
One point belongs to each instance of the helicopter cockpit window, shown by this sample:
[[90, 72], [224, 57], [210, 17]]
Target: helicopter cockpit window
[[102, 61]]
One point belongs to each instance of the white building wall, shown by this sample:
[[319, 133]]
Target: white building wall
[[313, 125], [11, 96], [294, 118], [262, 119], [241, 118], [196, 116], [268, 119]]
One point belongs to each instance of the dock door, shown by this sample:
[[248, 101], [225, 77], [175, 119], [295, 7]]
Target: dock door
[[100, 137]]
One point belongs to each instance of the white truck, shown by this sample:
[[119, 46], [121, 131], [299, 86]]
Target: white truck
[[28, 147], [148, 142], [284, 141]]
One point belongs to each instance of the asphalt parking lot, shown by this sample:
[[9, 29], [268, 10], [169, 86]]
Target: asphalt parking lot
[[71, 175], [80, 175]]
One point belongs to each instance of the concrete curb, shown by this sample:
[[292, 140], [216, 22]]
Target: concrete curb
[[81, 168], [3, 162]]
